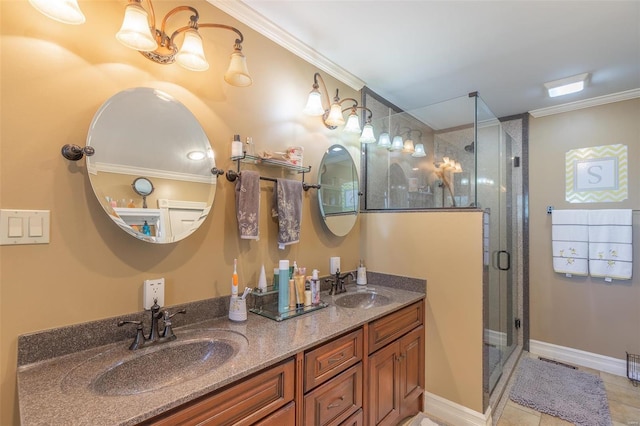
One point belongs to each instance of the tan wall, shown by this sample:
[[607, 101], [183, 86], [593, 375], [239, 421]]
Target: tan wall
[[446, 250], [54, 78], [582, 313]]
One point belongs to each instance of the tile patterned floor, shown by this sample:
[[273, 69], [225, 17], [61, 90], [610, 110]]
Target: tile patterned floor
[[624, 405]]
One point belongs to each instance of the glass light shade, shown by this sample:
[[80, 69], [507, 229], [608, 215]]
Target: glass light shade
[[65, 11], [419, 151], [353, 124], [384, 140], [314, 104], [397, 144], [335, 117], [238, 74], [135, 32], [367, 135], [191, 54], [408, 146]]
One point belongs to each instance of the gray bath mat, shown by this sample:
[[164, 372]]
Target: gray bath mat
[[571, 395]]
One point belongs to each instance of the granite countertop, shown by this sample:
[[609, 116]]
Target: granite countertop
[[53, 392]]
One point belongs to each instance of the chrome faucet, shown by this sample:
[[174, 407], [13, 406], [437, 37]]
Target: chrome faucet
[[337, 283], [155, 337]]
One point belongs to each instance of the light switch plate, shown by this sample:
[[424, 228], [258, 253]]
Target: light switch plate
[[24, 227], [153, 289], [334, 265]]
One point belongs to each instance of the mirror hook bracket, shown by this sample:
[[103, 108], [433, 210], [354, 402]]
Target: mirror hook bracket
[[73, 152]]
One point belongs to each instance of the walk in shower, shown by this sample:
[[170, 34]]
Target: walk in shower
[[458, 155]]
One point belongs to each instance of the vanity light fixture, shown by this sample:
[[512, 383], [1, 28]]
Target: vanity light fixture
[[65, 11], [384, 140], [139, 32], [567, 85], [419, 151], [332, 117], [397, 144]]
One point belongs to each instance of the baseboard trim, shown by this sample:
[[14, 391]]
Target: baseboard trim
[[454, 413], [578, 357]]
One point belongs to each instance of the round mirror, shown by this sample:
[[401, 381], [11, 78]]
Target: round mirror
[[143, 135], [338, 195]]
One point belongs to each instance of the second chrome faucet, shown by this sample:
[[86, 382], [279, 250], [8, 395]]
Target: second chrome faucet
[[155, 337]]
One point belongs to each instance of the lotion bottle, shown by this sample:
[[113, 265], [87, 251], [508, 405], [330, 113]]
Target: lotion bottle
[[315, 288], [236, 146], [362, 274]]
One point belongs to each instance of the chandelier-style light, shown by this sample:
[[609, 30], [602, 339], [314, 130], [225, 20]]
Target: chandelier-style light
[[332, 116]]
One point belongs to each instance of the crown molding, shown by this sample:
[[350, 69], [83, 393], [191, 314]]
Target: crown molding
[[243, 13], [587, 103]]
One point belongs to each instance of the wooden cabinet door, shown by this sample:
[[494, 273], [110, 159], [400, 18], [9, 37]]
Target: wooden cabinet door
[[384, 397], [411, 369]]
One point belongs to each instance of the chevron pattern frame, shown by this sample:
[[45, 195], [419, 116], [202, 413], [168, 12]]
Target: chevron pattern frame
[[597, 174]]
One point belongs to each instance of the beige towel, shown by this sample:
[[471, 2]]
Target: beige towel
[[287, 207], [248, 204]]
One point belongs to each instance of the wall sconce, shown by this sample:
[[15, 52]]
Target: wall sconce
[[139, 32], [333, 117]]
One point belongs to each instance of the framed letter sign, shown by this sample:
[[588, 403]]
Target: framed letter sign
[[597, 174]]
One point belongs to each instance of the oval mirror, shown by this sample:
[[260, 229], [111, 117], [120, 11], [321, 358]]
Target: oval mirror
[[338, 196], [151, 170]]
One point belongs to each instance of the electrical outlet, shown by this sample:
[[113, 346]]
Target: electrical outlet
[[153, 289]]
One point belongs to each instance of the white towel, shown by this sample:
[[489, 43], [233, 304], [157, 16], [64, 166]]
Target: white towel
[[569, 239], [610, 244]]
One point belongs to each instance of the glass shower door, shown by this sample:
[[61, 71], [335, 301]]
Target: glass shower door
[[495, 196]]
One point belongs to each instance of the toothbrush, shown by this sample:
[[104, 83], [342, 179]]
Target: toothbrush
[[234, 279], [247, 290]]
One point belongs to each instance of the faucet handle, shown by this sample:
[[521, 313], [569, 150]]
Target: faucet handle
[[167, 333], [139, 339]]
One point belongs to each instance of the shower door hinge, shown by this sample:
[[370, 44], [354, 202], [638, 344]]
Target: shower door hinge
[[517, 323]]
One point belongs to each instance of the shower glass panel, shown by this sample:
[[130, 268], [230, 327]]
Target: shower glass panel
[[454, 155], [429, 162]]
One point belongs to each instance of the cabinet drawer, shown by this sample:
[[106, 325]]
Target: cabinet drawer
[[284, 416], [243, 404], [333, 402], [387, 329], [325, 362]]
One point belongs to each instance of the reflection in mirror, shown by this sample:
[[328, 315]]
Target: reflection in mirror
[[145, 132], [143, 187], [338, 196]]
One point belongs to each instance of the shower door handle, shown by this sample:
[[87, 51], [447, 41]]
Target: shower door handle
[[500, 260]]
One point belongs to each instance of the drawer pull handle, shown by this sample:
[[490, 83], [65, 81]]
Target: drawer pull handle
[[336, 404], [339, 358]]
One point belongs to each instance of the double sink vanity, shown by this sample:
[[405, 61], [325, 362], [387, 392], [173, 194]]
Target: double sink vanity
[[358, 361]]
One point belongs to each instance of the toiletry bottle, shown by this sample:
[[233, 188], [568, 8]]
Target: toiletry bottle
[[249, 147], [292, 295], [234, 279], [146, 230], [236, 147], [262, 281], [299, 283], [276, 278], [283, 286], [362, 274], [315, 288]]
